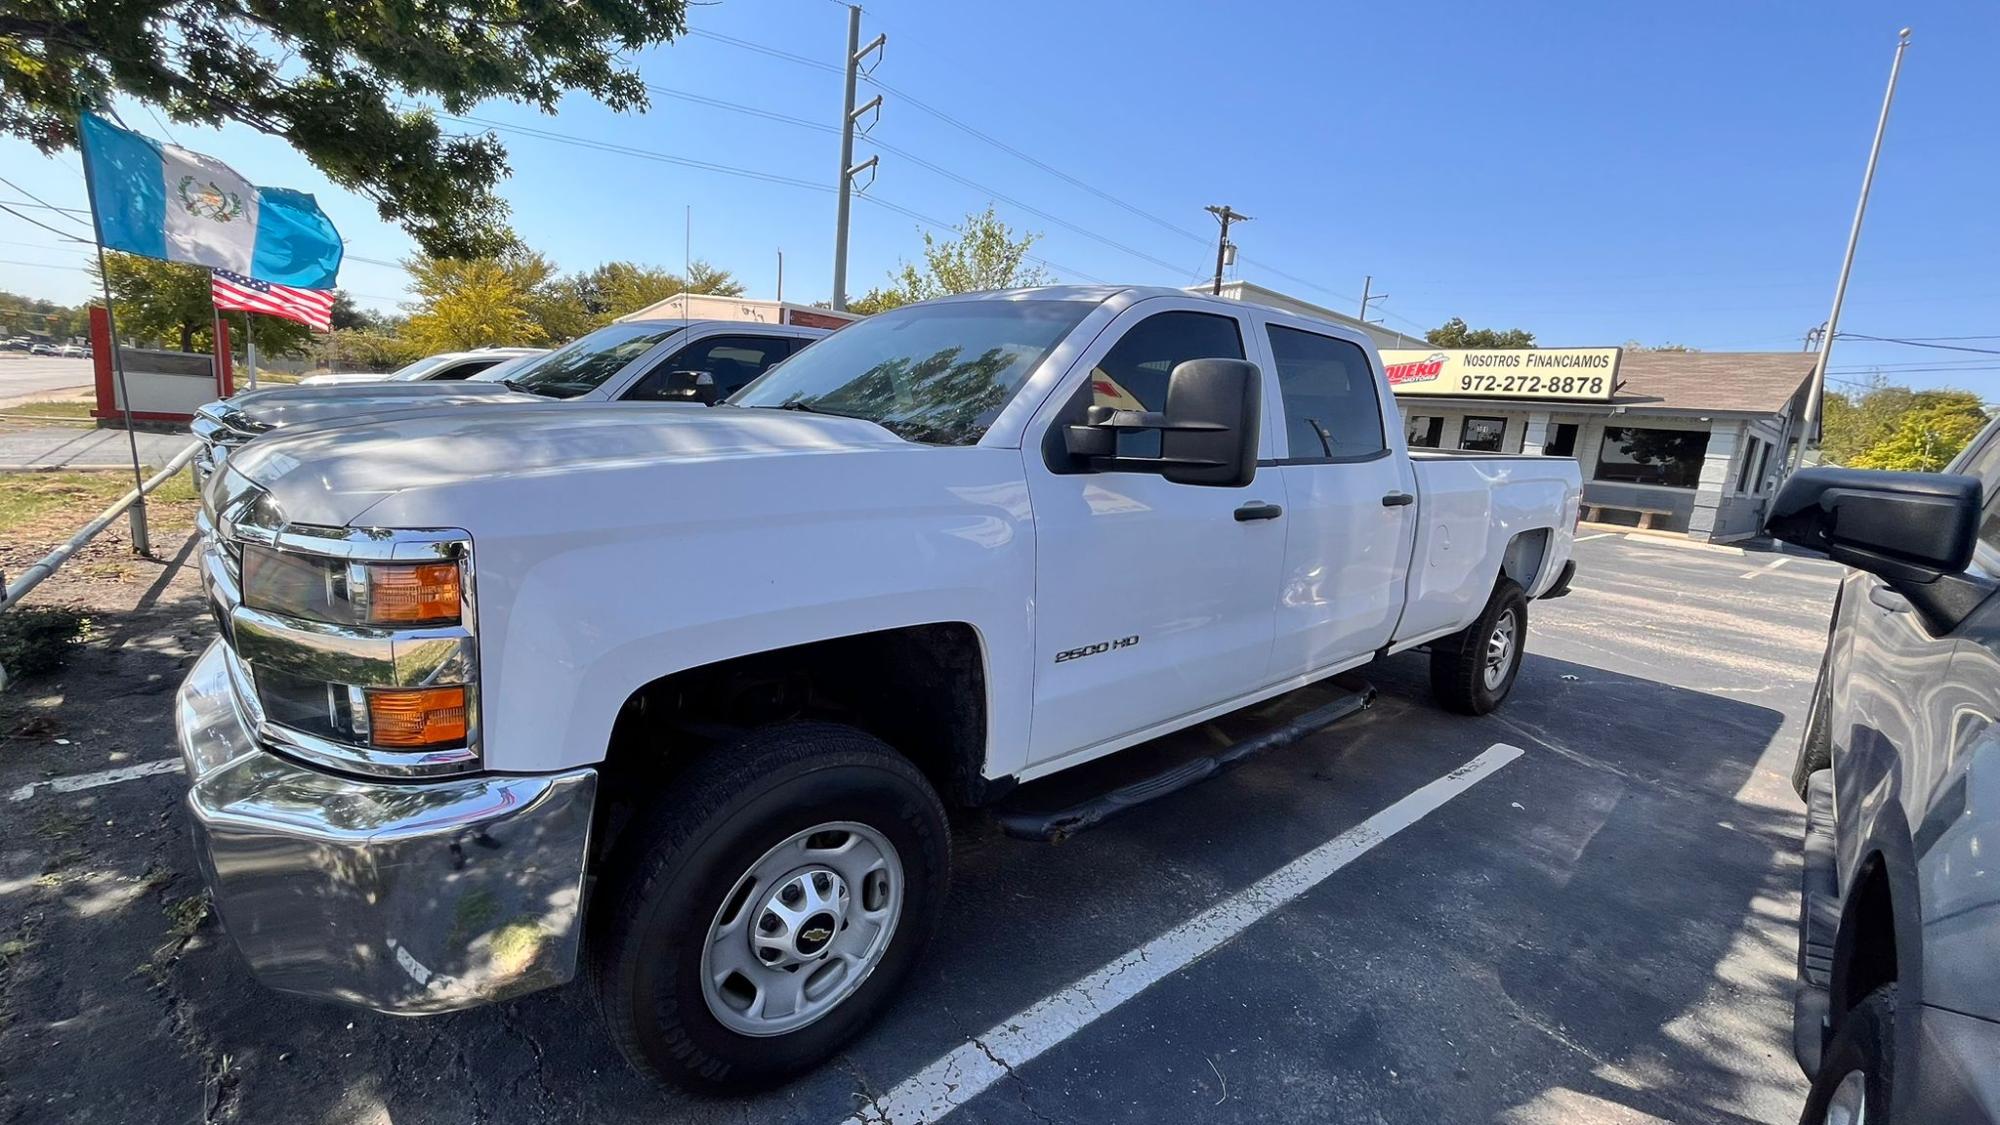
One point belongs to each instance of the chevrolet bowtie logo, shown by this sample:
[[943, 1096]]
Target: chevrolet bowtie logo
[[816, 935]]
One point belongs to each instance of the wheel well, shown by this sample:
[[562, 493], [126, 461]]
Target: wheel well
[[921, 689], [1866, 958], [1523, 558]]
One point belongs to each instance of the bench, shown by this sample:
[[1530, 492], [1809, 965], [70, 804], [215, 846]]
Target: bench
[[1593, 511]]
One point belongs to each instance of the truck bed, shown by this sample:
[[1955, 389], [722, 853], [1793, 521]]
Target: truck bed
[[1471, 507]]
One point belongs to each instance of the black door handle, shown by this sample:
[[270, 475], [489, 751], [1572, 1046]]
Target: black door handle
[[1258, 510], [1398, 500]]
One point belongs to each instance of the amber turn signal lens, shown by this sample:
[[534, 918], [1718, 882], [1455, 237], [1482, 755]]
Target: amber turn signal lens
[[413, 594], [407, 718]]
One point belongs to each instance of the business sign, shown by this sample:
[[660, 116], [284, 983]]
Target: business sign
[[1589, 374]]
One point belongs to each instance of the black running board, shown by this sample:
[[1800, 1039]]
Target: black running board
[[1054, 827]]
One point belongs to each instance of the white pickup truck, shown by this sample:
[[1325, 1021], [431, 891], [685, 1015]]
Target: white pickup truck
[[684, 695]]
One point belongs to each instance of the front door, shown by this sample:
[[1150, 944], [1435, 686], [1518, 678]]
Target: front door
[[1350, 503], [1152, 600]]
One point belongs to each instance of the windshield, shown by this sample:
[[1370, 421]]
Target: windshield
[[416, 370], [937, 374], [506, 369], [584, 364]]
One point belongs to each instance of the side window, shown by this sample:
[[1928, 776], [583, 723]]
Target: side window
[[1331, 409], [1133, 374], [732, 360], [464, 370]]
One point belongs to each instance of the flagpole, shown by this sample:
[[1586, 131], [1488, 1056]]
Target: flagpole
[[141, 542], [249, 349]]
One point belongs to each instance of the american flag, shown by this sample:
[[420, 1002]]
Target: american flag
[[235, 293]]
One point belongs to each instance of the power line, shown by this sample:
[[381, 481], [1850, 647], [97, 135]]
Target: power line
[[1916, 343], [885, 146], [732, 170], [41, 265], [763, 50], [1043, 165], [37, 222], [38, 199]]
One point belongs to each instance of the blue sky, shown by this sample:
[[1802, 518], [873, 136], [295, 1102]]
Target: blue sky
[[1591, 172]]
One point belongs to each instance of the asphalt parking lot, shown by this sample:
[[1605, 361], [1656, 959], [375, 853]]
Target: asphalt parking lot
[[1593, 923]]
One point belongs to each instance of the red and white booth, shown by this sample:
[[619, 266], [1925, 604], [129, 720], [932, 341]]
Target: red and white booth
[[166, 387]]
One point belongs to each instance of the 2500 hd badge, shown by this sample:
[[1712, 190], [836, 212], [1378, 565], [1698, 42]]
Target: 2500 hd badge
[[1093, 650]]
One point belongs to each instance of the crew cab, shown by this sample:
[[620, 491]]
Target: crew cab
[[687, 693], [630, 361], [1897, 1001]]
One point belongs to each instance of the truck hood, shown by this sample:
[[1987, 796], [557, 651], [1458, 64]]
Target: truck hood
[[275, 408], [330, 474]]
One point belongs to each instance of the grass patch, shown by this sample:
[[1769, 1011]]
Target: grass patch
[[36, 500], [34, 640], [72, 411]]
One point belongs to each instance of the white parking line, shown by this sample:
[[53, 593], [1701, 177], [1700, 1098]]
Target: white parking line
[[1765, 569], [92, 780], [1599, 535], [966, 1072]]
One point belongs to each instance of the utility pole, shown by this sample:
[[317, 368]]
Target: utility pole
[[1368, 283], [1225, 216], [1818, 394], [848, 169]]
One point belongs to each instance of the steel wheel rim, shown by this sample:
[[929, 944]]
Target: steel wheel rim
[[1849, 1104], [802, 928], [1500, 648]]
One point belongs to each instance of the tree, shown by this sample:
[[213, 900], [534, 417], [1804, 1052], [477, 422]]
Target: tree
[[1927, 436], [479, 302], [570, 306], [1636, 346], [346, 314], [21, 316], [1453, 333], [333, 80], [1855, 422], [985, 255]]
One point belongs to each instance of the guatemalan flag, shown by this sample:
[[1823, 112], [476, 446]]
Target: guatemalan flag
[[166, 202]]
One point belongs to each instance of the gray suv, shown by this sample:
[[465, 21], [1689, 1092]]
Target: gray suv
[[1897, 1003]]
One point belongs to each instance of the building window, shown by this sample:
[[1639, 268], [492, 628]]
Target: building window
[[1423, 431], [1746, 477], [1562, 442], [1636, 456], [1482, 434]]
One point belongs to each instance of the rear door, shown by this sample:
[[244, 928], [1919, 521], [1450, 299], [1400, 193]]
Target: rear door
[[1350, 498], [1152, 600]]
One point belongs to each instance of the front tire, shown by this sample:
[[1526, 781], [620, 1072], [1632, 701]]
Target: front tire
[[1858, 1072], [1473, 669], [768, 907]]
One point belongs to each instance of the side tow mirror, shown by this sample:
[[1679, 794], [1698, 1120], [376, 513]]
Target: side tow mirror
[[1208, 431], [1915, 531], [696, 385]]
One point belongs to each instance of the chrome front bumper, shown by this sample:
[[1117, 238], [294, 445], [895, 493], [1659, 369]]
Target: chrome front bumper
[[404, 898]]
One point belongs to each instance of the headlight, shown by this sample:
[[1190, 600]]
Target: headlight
[[350, 593]]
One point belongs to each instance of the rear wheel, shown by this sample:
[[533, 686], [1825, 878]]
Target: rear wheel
[[1473, 669], [1857, 1074], [769, 907]]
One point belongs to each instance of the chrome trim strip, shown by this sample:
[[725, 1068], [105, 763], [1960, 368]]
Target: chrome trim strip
[[354, 654]]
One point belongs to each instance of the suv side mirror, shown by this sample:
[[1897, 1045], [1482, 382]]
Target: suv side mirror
[[1208, 432], [1915, 531], [696, 385]]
